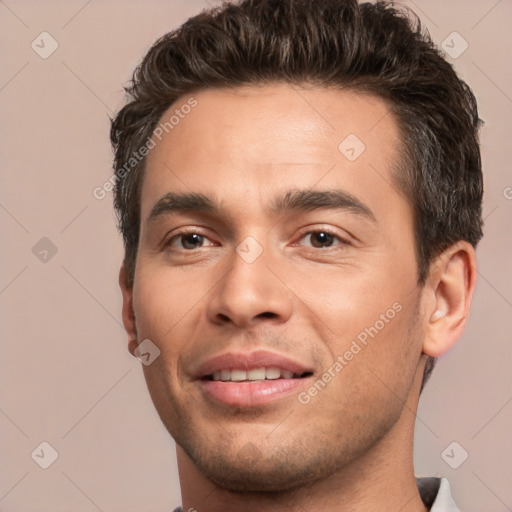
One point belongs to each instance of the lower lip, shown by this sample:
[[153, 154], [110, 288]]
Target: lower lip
[[248, 394]]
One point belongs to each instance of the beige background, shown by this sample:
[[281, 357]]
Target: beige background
[[65, 374]]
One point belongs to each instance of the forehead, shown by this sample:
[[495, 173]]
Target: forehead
[[247, 141]]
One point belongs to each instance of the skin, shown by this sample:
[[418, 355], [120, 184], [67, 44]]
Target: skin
[[350, 447]]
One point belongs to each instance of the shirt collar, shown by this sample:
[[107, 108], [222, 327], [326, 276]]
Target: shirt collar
[[436, 494]]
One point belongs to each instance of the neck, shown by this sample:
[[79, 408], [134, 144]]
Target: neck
[[383, 475]]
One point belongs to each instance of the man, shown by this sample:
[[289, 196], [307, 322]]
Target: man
[[299, 190]]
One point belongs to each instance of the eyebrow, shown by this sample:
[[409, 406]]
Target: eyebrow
[[173, 202], [292, 201], [305, 200]]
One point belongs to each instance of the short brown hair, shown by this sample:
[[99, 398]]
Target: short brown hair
[[376, 48]]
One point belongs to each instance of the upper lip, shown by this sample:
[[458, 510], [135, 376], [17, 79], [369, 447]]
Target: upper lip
[[249, 361]]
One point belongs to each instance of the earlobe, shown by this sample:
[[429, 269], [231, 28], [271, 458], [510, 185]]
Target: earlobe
[[128, 312], [451, 282]]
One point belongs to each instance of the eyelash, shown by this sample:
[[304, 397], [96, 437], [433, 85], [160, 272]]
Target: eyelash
[[327, 231], [342, 241], [182, 234]]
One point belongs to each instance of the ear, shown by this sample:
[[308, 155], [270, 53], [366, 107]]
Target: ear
[[449, 289], [128, 312]]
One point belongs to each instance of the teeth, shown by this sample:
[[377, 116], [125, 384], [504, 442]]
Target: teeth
[[272, 373], [238, 375], [252, 375], [256, 374]]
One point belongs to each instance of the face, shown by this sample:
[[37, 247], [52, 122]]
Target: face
[[277, 276]]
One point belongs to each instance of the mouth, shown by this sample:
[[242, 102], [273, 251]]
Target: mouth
[[245, 380], [254, 375]]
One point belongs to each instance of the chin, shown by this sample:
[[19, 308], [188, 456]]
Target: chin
[[262, 477], [276, 469]]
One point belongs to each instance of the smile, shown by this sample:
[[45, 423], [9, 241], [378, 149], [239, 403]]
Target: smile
[[251, 379], [254, 375]]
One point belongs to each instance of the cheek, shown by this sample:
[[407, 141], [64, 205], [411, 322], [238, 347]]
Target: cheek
[[165, 298], [393, 349], [370, 322], [375, 371], [164, 304], [347, 299]]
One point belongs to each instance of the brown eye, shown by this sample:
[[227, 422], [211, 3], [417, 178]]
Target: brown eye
[[191, 240], [187, 241], [321, 239]]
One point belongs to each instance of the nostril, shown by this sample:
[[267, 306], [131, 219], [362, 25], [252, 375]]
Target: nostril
[[267, 314]]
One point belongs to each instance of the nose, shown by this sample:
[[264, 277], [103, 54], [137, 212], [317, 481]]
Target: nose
[[250, 293]]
